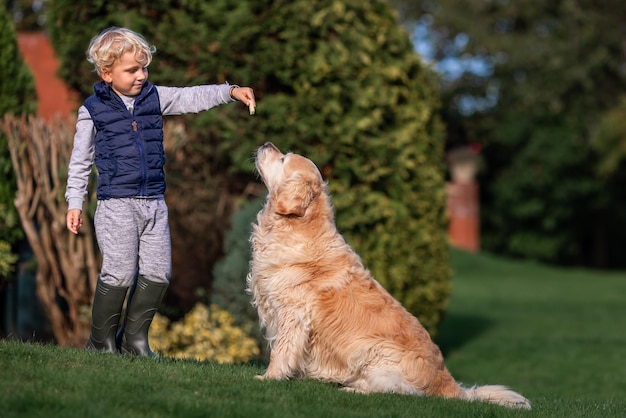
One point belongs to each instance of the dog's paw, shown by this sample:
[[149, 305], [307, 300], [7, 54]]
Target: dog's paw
[[270, 376], [352, 390]]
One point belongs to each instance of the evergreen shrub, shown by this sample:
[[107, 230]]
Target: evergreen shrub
[[17, 96]]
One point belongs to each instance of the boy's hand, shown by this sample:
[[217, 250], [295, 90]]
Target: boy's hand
[[246, 96], [74, 222]]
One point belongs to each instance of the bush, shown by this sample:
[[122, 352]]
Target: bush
[[7, 260], [8, 222], [342, 85], [203, 334]]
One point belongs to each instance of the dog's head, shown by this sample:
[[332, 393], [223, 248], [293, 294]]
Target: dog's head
[[292, 181]]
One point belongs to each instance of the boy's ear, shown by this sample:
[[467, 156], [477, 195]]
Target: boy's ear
[[106, 76]]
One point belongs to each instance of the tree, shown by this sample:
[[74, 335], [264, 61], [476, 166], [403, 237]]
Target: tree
[[336, 80], [549, 71]]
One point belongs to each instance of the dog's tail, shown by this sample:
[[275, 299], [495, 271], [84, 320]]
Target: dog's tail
[[500, 395]]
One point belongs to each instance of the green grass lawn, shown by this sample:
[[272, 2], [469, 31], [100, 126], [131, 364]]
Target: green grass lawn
[[558, 336]]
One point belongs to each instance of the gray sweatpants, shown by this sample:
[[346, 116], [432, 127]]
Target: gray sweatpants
[[133, 233]]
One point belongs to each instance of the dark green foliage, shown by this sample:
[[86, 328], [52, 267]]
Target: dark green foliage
[[17, 86], [337, 81], [552, 70], [17, 96], [28, 15], [230, 272]]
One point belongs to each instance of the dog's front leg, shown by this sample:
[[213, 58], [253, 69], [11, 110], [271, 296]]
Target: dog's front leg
[[288, 351]]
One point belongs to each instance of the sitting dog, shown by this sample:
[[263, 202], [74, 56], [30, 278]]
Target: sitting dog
[[324, 314]]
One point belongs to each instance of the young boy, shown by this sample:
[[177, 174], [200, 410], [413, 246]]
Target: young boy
[[120, 128]]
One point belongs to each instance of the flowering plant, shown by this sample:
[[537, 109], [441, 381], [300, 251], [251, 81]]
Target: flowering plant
[[206, 333]]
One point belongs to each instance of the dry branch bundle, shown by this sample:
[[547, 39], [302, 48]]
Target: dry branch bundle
[[67, 264]]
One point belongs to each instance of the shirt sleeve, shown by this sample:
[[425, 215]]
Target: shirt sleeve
[[81, 160], [181, 100]]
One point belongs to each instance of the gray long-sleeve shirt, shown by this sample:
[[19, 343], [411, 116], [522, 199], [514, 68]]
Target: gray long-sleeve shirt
[[174, 101]]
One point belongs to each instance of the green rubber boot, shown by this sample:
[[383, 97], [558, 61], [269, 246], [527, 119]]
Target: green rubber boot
[[143, 303], [105, 317]]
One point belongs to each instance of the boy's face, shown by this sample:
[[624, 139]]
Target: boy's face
[[127, 76]]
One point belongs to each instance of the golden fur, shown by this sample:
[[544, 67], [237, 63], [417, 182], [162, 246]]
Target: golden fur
[[325, 316]]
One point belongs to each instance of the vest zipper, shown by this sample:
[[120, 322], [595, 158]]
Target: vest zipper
[[142, 156]]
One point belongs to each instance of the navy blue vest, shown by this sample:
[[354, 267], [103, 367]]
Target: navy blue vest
[[129, 147]]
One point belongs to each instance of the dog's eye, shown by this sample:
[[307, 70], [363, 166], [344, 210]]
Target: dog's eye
[[282, 159]]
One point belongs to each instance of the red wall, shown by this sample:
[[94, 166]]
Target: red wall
[[54, 97], [463, 211]]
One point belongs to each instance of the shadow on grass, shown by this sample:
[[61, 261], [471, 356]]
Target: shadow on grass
[[456, 330], [258, 362]]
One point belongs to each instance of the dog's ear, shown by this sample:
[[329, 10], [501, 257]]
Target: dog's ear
[[294, 196]]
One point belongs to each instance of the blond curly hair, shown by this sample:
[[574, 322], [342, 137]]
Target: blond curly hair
[[109, 46]]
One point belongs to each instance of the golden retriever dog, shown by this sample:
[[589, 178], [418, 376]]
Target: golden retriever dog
[[324, 314]]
